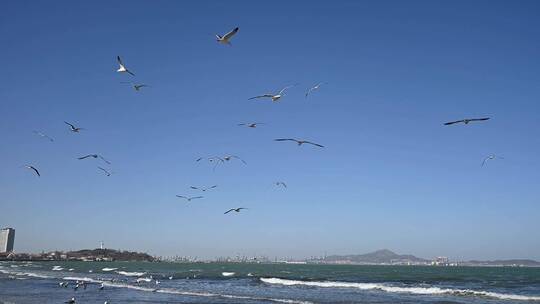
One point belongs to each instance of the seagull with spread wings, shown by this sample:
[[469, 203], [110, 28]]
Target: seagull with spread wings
[[33, 169], [203, 189], [189, 198], [251, 125], [235, 210], [275, 97], [43, 135], [230, 157], [490, 157], [137, 86], [94, 156], [122, 68], [466, 121], [313, 88], [299, 142], [73, 128], [225, 38]]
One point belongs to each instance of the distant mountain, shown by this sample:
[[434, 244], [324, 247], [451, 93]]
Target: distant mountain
[[383, 256], [514, 262]]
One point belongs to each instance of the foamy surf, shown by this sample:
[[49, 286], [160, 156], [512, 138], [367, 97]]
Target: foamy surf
[[108, 269], [131, 274], [228, 274], [398, 289]]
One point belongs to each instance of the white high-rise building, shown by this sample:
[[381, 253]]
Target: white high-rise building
[[7, 240]]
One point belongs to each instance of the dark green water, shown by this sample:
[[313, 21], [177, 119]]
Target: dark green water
[[266, 283]]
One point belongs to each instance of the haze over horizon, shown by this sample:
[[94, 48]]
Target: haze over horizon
[[391, 175]]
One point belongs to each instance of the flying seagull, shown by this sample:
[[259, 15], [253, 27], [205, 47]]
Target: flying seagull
[[203, 189], [251, 125], [73, 128], [274, 97], [225, 38], [122, 68], [189, 198], [466, 121], [137, 86], [105, 171], [95, 156], [490, 157], [299, 142], [229, 157], [313, 88], [33, 169], [43, 135], [234, 209], [281, 184]]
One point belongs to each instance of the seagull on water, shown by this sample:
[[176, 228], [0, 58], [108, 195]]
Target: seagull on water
[[299, 142], [102, 286], [274, 97], [70, 301], [94, 156], [105, 171], [466, 121], [73, 128], [33, 169], [313, 88], [43, 135], [235, 210], [122, 68], [281, 184], [189, 198], [490, 157], [251, 125], [225, 38], [203, 189]]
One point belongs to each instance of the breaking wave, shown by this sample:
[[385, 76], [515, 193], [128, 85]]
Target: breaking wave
[[399, 289]]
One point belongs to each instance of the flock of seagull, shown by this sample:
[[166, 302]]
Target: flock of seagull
[[219, 160]]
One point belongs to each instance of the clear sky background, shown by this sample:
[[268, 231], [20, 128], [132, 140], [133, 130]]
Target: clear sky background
[[390, 175]]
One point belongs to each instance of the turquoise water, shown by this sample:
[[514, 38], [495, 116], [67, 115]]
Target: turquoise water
[[38, 282]]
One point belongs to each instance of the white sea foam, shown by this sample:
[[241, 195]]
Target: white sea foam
[[398, 289], [84, 279], [109, 269], [144, 280], [57, 268], [227, 274], [28, 274], [131, 274]]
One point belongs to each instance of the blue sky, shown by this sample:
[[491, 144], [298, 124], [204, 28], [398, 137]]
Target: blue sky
[[390, 175]]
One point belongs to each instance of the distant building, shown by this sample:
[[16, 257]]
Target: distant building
[[441, 261], [7, 240]]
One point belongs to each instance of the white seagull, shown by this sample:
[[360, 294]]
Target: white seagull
[[315, 87], [299, 142], [490, 157], [94, 156], [235, 210], [73, 128], [189, 198], [225, 38], [43, 135], [33, 169], [70, 301], [274, 97], [122, 68]]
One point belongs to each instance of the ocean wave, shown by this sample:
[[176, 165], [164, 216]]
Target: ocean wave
[[84, 279], [227, 274], [27, 274], [131, 274], [108, 269], [399, 289], [57, 268]]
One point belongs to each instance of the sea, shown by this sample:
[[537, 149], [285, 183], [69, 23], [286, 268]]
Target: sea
[[145, 282]]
